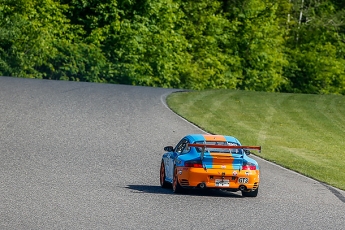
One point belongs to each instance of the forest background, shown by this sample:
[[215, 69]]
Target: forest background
[[293, 46]]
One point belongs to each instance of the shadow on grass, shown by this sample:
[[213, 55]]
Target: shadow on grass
[[189, 192]]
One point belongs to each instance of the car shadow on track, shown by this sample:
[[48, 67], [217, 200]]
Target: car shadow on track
[[192, 192]]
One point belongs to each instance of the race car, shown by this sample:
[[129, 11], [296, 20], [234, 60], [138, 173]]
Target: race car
[[206, 161]]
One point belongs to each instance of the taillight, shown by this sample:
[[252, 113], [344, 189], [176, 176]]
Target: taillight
[[248, 166], [194, 164]]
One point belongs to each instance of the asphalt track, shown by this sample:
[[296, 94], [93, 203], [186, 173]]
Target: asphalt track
[[86, 156]]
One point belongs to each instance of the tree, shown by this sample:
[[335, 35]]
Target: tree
[[37, 41], [259, 43], [316, 49]]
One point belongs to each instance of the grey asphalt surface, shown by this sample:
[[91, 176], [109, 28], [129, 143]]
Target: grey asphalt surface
[[86, 156]]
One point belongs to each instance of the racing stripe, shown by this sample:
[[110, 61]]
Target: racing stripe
[[214, 138], [216, 160], [224, 161]]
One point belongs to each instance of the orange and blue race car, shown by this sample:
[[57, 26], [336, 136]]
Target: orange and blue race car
[[206, 161]]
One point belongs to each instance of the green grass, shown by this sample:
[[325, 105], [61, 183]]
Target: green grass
[[302, 132]]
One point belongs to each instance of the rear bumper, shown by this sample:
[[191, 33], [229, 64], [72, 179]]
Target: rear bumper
[[227, 179]]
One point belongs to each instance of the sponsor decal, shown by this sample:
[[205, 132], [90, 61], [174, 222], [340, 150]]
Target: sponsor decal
[[223, 166], [234, 173], [247, 173]]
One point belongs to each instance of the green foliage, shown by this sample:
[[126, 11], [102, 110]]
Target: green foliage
[[208, 34], [37, 41], [316, 50], [25, 34], [149, 54], [201, 44], [260, 45], [315, 68], [76, 62]]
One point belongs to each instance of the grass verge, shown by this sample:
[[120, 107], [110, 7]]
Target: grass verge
[[302, 132]]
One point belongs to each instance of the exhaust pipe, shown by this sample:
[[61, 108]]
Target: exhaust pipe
[[202, 185], [243, 187]]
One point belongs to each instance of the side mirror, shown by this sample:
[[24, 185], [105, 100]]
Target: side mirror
[[247, 152], [168, 148]]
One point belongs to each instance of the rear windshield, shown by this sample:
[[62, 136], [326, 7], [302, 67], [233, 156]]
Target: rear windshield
[[218, 150]]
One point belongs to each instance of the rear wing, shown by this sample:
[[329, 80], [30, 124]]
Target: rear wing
[[203, 146]]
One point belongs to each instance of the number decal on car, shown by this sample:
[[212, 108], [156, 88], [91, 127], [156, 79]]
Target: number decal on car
[[243, 180]]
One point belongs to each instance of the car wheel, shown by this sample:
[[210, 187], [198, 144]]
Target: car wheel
[[177, 188], [164, 184], [253, 193]]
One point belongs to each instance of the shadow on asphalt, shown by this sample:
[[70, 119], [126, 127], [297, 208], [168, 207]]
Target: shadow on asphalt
[[191, 192]]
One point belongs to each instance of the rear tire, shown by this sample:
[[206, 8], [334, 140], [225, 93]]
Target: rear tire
[[177, 188], [163, 182], [253, 193]]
